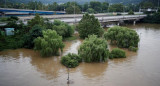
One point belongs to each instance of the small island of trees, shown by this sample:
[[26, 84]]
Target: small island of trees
[[47, 38]]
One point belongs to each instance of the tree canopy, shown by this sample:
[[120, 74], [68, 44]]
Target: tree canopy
[[36, 20], [49, 44], [117, 53], [63, 29], [122, 36], [94, 49], [89, 25], [71, 60]]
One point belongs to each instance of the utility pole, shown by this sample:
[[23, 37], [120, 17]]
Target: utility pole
[[68, 77]]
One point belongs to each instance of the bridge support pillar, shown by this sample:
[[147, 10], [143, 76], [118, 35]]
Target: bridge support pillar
[[118, 23], [134, 22]]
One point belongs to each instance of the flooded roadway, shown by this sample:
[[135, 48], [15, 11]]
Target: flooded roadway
[[25, 67]]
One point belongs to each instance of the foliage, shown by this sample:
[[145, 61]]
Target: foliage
[[117, 53], [155, 18], [11, 42], [71, 60], [90, 10], [116, 8], [36, 20], [49, 44], [35, 31], [70, 10], [93, 49], [131, 48], [147, 4], [130, 12], [122, 36], [13, 18], [89, 25], [63, 29]]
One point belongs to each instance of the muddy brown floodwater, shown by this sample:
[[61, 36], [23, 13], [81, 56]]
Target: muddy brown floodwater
[[25, 67]]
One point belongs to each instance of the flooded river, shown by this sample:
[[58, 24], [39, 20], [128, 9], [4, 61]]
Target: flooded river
[[25, 67]]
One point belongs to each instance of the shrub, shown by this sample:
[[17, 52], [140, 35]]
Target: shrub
[[117, 53], [131, 48], [63, 29], [89, 25], [130, 12], [71, 60], [93, 49], [36, 20], [49, 44], [35, 31], [122, 36]]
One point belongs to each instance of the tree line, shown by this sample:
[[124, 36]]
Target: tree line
[[90, 7]]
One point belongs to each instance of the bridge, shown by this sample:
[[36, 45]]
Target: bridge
[[104, 18], [10, 12]]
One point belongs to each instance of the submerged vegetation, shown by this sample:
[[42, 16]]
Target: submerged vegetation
[[94, 49], [122, 36], [71, 60], [155, 18], [63, 29], [117, 53], [49, 44], [89, 25]]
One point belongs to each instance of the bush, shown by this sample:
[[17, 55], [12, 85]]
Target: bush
[[35, 31], [89, 25], [63, 29], [130, 12], [155, 18], [71, 60], [49, 44], [131, 48], [117, 53], [36, 20], [94, 49], [122, 36]]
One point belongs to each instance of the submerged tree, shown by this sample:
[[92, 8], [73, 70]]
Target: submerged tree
[[49, 44], [94, 49], [122, 36], [71, 60], [89, 25], [117, 53], [63, 29]]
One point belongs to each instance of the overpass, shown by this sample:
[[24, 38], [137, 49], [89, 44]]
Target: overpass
[[11, 11], [103, 18]]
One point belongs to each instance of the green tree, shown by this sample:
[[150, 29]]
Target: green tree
[[94, 49], [122, 36], [90, 10], [116, 8], [63, 29], [36, 20], [117, 53], [34, 32], [105, 6], [70, 10], [130, 12], [49, 44], [71, 60], [96, 5], [89, 25]]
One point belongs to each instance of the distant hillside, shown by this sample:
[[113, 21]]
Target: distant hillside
[[79, 1]]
